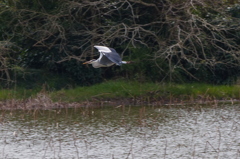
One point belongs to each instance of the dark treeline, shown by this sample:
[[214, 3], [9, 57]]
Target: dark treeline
[[169, 40]]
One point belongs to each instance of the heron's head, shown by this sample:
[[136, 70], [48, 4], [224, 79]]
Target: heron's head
[[90, 62]]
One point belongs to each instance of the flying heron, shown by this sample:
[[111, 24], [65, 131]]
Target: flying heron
[[108, 57]]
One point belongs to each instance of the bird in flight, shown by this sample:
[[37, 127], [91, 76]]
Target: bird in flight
[[108, 57]]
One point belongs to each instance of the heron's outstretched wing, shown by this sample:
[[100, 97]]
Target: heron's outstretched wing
[[114, 57], [108, 54], [104, 60]]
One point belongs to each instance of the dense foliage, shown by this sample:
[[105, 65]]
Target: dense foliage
[[169, 40]]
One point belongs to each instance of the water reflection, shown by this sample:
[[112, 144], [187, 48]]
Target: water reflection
[[122, 132]]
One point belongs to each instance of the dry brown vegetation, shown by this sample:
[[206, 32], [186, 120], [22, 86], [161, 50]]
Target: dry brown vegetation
[[43, 102]]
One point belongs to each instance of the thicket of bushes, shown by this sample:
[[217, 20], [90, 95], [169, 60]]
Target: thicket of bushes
[[169, 40]]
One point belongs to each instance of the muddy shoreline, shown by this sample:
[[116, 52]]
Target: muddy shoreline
[[42, 101]]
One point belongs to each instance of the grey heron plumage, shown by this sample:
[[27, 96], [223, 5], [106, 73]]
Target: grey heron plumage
[[108, 57]]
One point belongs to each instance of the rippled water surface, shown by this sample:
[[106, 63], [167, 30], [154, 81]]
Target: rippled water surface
[[122, 132]]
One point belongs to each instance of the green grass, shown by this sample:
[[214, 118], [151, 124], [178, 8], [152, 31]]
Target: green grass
[[17, 93], [199, 89], [132, 89], [107, 90], [120, 89]]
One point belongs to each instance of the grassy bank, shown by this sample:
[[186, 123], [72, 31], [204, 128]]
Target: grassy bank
[[121, 89], [148, 91]]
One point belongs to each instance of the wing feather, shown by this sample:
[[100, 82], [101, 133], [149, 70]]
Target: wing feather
[[114, 57], [104, 60], [108, 55]]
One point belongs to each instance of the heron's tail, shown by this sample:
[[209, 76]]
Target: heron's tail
[[127, 62]]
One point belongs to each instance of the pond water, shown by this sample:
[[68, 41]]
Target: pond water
[[139, 132]]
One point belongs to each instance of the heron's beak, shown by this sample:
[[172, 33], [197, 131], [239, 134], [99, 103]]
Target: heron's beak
[[87, 62]]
